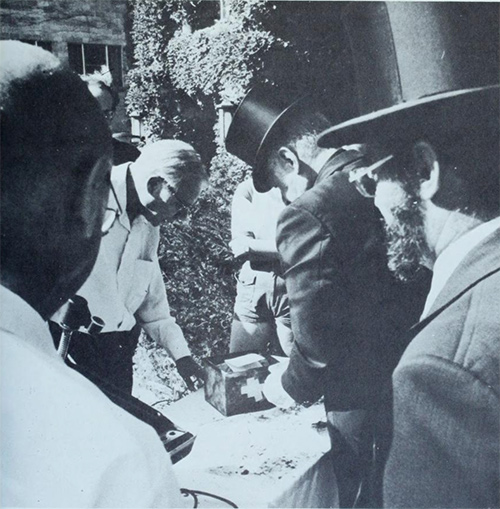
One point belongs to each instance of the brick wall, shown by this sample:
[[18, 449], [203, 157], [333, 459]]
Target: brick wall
[[68, 21], [87, 21]]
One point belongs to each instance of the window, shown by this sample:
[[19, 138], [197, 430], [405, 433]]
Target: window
[[47, 45], [88, 58]]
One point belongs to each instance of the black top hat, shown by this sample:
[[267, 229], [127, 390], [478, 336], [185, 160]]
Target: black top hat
[[421, 68], [253, 124]]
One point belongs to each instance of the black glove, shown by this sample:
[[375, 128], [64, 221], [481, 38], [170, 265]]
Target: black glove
[[191, 373]]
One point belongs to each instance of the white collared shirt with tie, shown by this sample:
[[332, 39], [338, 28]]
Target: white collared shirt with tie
[[126, 285]]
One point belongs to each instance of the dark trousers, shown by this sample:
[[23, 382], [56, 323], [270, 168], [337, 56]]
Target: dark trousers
[[348, 437], [108, 355]]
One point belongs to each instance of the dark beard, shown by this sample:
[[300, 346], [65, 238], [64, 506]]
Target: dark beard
[[406, 245]]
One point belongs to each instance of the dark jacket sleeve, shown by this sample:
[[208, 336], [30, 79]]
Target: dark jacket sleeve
[[314, 285]]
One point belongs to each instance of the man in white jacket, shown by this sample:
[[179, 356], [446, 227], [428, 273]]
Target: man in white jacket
[[126, 288]]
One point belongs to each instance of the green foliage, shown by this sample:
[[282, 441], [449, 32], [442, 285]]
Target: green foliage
[[148, 79], [219, 60], [198, 270], [165, 110], [226, 172]]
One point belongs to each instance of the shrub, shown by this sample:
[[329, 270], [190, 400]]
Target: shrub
[[217, 61]]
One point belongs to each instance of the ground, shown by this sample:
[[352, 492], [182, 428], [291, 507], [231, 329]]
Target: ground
[[251, 459]]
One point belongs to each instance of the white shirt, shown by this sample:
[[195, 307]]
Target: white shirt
[[451, 257], [64, 444], [255, 214], [126, 285]]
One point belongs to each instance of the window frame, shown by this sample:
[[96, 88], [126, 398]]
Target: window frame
[[117, 74]]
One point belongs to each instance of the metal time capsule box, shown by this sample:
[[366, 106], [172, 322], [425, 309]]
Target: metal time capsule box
[[233, 383]]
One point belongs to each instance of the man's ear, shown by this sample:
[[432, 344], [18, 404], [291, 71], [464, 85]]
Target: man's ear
[[155, 186], [289, 160], [94, 195], [426, 163]]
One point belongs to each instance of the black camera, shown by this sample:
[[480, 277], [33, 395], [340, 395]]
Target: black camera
[[178, 443]]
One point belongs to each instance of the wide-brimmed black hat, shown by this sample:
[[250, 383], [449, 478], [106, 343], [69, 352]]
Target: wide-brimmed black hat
[[446, 115], [421, 69], [255, 120]]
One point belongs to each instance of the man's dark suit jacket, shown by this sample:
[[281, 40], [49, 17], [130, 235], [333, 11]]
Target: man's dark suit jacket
[[346, 307], [446, 396]]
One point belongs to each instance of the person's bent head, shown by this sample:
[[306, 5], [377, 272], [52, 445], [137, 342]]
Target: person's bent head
[[290, 153], [103, 91], [275, 132], [55, 160], [168, 177]]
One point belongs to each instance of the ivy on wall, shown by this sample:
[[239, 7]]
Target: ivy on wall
[[221, 60], [151, 96]]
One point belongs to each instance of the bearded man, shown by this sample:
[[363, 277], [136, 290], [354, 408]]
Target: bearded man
[[435, 179]]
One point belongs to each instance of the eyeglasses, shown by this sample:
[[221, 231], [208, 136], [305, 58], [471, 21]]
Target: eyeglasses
[[111, 214], [365, 178], [183, 208]]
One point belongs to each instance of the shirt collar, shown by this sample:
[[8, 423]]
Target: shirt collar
[[338, 161], [119, 177], [451, 257], [119, 181], [17, 317], [327, 169]]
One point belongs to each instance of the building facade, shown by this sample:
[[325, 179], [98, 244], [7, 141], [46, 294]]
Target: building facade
[[85, 34]]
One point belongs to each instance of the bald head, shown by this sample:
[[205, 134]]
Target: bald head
[[55, 160]]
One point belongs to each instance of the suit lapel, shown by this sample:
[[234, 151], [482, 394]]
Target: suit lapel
[[482, 260], [479, 264]]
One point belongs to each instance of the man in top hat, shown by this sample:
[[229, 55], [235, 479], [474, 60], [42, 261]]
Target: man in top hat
[[64, 444], [435, 179], [345, 304]]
